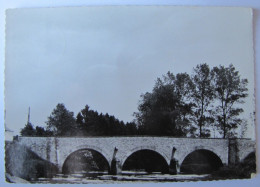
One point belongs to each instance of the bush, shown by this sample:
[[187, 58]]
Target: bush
[[239, 171]]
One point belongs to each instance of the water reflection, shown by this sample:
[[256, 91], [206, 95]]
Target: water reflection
[[126, 176]]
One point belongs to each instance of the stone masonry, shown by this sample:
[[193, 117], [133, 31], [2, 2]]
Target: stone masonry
[[57, 149]]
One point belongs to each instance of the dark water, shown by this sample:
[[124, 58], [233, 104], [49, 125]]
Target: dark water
[[126, 176]]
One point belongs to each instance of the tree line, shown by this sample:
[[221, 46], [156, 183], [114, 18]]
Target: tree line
[[88, 122], [181, 105]]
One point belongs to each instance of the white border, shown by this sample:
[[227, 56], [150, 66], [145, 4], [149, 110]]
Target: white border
[[255, 4]]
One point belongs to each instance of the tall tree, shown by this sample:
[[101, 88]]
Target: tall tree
[[183, 86], [89, 122], [164, 111], [62, 122], [230, 91], [202, 96]]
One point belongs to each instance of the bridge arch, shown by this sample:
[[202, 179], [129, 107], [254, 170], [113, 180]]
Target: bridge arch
[[251, 155], [86, 159], [66, 154], [200, 161], [149, 148], [245, 154], [207, 148], [146, 160]]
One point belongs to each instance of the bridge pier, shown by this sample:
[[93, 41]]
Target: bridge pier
[[115, 167], [174, 167], [233, 152], [115, 164]]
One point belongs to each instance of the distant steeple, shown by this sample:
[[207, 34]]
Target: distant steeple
[[28, 120]]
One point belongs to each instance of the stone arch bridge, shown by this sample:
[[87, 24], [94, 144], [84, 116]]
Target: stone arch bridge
[[57, 149]]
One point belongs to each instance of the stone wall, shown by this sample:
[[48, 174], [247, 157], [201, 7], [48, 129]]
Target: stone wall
[[56, 150], [42, 146]]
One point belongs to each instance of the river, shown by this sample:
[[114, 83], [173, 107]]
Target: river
[[125, 177]]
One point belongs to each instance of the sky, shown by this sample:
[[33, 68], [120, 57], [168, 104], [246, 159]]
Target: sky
[[106, 57]]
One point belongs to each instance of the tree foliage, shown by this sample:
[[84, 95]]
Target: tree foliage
[[230, 90], [178, 105], [28, 130], [91, 123], [164, 110], [207, 98], [62, 122], [202, 96]]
